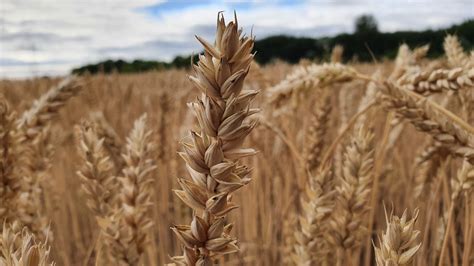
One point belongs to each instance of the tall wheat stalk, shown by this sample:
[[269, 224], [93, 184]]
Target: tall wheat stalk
[[28, 156], [212, 155], [10, 181], [353, 195], [121, 205]]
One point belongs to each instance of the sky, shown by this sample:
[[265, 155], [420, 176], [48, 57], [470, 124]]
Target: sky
[[50, 37]]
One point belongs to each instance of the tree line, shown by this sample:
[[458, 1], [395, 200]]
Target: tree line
[[365, 44]]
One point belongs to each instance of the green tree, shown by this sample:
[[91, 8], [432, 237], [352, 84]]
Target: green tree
[[366, 24]]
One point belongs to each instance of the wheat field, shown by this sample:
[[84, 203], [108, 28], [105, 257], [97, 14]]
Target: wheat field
[[232, 163]]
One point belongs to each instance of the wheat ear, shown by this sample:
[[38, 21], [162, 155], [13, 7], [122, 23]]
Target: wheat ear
[[439, 80], [126, 229], [426, 116], [98, 183], [311, 246], [10, 180], [462, 184], [454, 52], [425, 166], [308, 77], [212, 156], [112, 142], [18, 247], [137, 180], [47, 106], [353, 192], [317, 132], [336, 53], [36, 150], [399, 243]]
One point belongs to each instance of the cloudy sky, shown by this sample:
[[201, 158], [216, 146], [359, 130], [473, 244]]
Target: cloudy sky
[[40, 37]]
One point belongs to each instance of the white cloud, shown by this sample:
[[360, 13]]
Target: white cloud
[[50, 37]]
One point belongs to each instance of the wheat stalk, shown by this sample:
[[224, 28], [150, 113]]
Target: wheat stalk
[[316, 133], [407, 60], [336, 53], [10, 181], [137, 183], [112, 142], [311, 246], [124, 220], [47, 106], [212, 157], [462, 184], [425, 166], [353, 192], [289, 239], [125, 230], [98, 183], [34, 150]]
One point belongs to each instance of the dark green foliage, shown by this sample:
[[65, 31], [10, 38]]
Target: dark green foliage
[[290, 49], [121, 66], [359, 45], [366, 24]]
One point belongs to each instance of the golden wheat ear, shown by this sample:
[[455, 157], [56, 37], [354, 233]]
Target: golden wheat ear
[[212, 156], [400, 241], [99, 185], [10, 181], [317, 132], [312, 247], [19, 247], [353, 194], [454, 52]]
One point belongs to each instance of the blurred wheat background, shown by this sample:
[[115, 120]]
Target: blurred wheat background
[[357, 164]]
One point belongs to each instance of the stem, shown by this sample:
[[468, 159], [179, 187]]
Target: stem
[[92, 248], [434, 199], [349, 125], [348, 256], [288, 143], [340, 256], [446, 234], [467, 233], [373, 200]]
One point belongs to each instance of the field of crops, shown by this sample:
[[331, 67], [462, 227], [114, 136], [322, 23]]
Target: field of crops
[[232, 163]]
